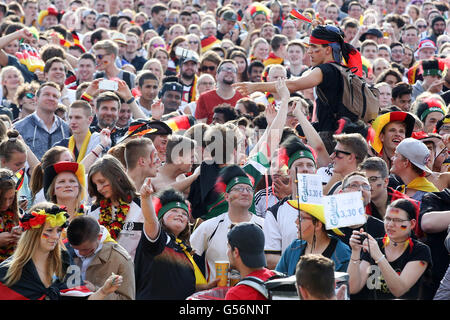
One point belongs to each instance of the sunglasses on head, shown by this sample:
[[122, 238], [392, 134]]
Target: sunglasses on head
[[30, 95]]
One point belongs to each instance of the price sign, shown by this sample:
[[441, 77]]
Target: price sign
[[343, 210], [309, 188]]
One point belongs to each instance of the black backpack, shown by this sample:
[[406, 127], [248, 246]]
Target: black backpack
[[263, 287]]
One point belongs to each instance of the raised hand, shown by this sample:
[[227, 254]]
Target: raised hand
[[157, 110], [146, 189]]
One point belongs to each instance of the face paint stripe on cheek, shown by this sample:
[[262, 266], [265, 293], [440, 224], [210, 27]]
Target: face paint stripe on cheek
[[403, 227], [45, 235]]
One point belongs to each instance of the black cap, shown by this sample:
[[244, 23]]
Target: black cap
[[373, 31], [171, 86], [161, 128], [229, 15], [249, 239]]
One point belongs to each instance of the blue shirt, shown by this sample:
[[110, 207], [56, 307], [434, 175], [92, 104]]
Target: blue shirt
[[292, 254]]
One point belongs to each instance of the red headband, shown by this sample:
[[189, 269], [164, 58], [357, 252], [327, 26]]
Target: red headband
[[315, 40]]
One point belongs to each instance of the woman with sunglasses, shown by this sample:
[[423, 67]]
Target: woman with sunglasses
[[153, 44], [394, 266], [313, 238], [25, 99]]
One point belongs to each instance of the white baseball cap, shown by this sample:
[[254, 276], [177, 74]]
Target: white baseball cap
[[416, 152]]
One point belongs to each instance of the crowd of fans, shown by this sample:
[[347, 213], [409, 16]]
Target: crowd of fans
[[143, 141]]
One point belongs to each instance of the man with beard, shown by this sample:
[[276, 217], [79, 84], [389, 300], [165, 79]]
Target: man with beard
[[255, 70], [188, 78], [437, 28], [224, 95], [390, 129], [267, 31], [107, 106]]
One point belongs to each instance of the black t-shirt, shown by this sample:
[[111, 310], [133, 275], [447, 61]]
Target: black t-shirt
[[331, 110], [377, 287], [373, 226], [163, 272], [436, 201]]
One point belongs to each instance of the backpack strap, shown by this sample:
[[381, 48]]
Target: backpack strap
[[256, 284]]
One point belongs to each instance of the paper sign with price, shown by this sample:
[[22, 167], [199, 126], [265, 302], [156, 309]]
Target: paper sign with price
[[310, 188], [343, 210]]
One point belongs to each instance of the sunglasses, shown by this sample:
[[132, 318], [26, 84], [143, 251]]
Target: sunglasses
[[206, 68], [157, 45], [30, 95], [421, 26], [337, 152], [101, 56], [193, 42]]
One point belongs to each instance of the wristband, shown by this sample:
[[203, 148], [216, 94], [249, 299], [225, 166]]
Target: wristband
[[86, 97], [130, 101], [382, 257], [94, 153]]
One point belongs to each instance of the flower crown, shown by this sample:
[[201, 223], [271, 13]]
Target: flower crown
[[56, 216]]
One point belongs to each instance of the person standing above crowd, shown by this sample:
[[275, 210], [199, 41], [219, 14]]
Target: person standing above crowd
[[224, 95]]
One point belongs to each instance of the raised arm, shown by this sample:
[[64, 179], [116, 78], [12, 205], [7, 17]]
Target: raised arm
[[125, 92], [151, 223], [312, 137], [309, 80], [271, 138]]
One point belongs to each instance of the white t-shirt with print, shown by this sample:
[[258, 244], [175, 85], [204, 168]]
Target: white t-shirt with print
[[211, 236]]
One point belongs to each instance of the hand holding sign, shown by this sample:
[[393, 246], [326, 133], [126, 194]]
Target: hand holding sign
[[344, 210], [310, 188]]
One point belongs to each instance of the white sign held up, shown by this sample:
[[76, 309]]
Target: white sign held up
[[344, 210], [310, 189]]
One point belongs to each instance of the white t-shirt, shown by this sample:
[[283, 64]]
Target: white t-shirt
[[131, 232], [279, 232], [260, 201], [211, 236]]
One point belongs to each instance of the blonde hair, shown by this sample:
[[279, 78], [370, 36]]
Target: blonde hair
[[2, 75], [27, 246]]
